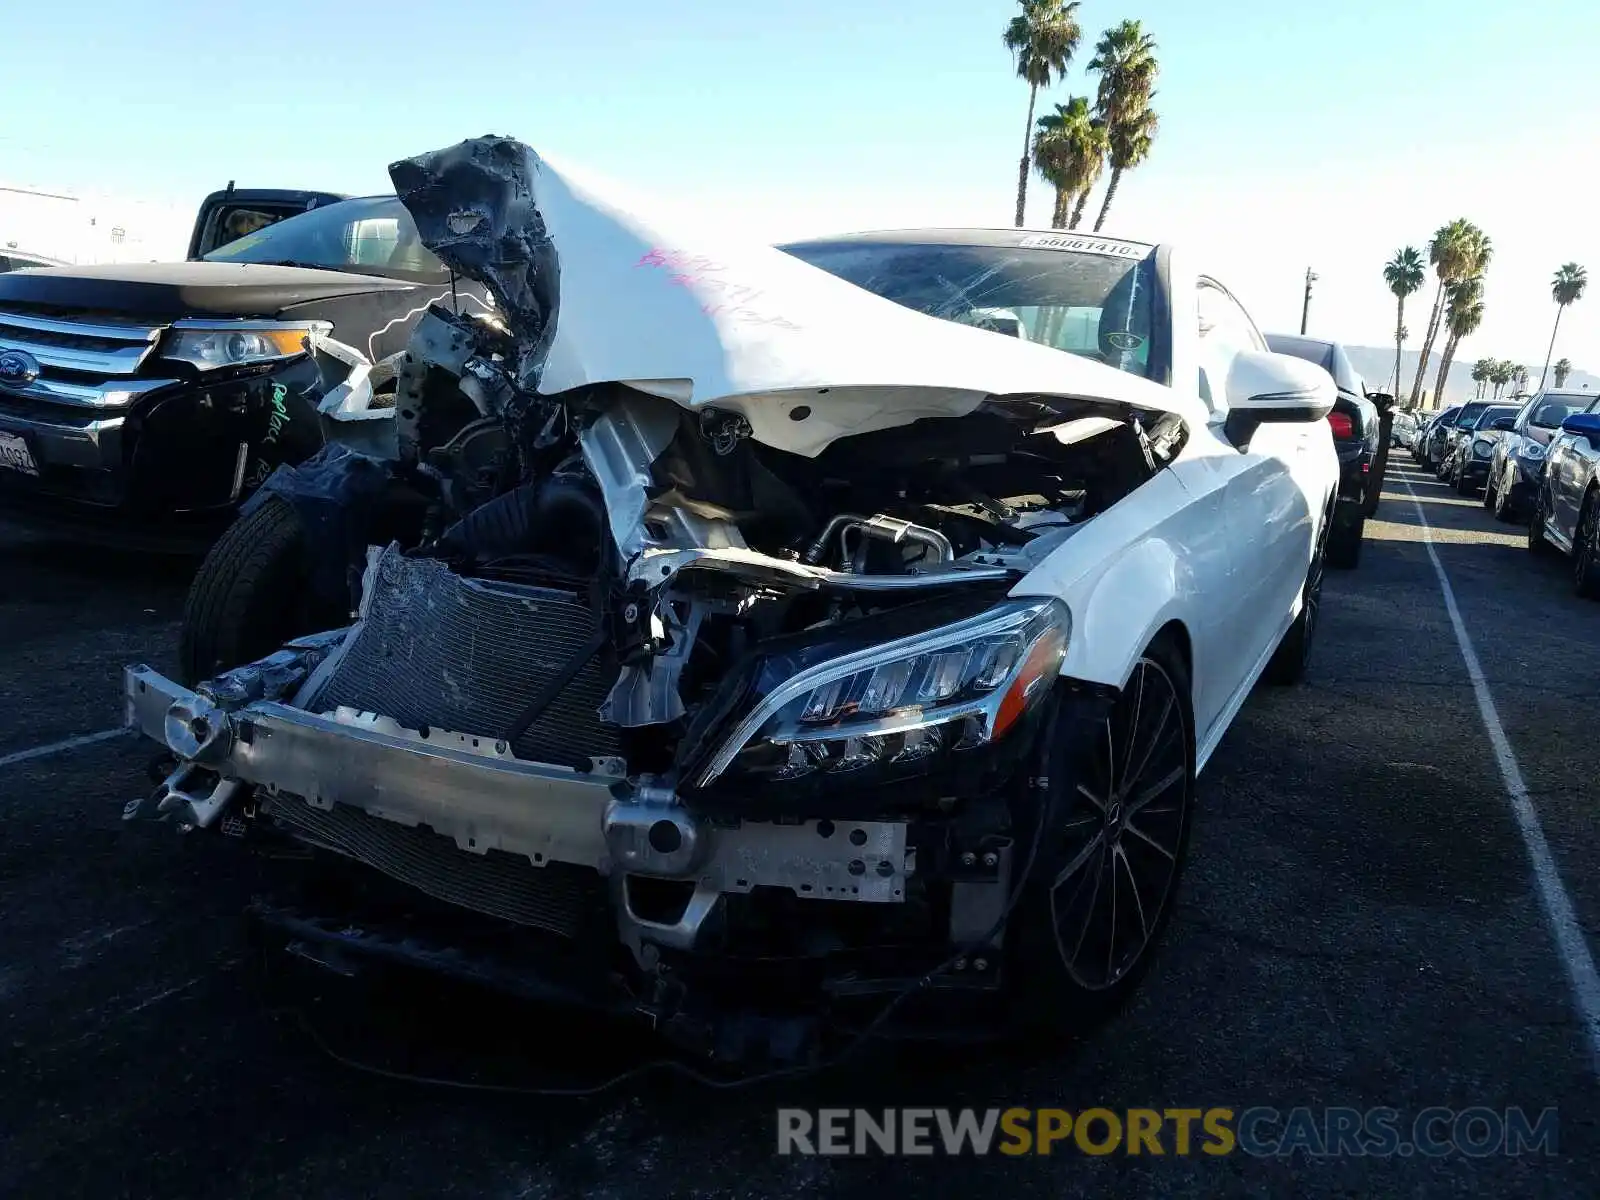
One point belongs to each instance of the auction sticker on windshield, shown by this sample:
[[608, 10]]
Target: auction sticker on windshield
[[15, 455], [1057, 241]]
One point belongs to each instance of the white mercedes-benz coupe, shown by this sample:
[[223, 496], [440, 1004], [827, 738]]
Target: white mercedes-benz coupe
[[776, 644]]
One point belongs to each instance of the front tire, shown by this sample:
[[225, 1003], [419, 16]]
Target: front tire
[[1345, 538], [1116, 836], [1288, 663], [1504, 506], [251, 594], [1536, 539], [1488, 493], [1586, 549]]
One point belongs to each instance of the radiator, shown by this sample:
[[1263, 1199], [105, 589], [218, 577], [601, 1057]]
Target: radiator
[[554, 897], [439, 650]]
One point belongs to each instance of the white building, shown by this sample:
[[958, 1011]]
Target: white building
[[91, 228]]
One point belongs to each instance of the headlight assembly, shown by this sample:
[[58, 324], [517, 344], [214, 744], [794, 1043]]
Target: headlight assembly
[[1531, 449], [1482, 448], [954, 688], [212, 344]]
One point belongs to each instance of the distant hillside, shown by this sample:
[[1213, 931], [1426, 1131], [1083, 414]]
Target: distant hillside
[[1376, 364]]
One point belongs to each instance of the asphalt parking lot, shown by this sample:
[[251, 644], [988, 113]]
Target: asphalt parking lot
[[1359, 926]]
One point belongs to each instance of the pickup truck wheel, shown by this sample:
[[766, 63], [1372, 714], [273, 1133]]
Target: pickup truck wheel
[[1119, 792], [250, 595]]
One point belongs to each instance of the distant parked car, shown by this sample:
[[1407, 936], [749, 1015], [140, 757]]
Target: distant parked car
[[1425, 439], [1519, 455], [1404, 430], [1358, 437], [1446, 434], [1566, 502], [1468, 465]]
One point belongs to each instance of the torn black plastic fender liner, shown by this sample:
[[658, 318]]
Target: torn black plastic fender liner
[[475, 208], [333, 493]]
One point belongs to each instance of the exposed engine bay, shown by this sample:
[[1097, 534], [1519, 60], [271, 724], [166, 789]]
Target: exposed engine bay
[[630, 657]]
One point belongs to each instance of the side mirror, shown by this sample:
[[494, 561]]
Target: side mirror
[[1381, 400], [1266, 387], [1585, 425], [1506, 423]]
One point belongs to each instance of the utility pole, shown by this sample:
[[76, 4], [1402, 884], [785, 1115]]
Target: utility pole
[[1305, 309]]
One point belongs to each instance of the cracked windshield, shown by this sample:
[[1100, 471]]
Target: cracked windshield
[[645, 602]]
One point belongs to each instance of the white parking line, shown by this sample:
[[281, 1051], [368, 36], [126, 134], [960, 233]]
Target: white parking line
[[1570, 942], [88, 739]]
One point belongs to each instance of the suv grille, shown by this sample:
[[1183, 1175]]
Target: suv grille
[[81, 364]]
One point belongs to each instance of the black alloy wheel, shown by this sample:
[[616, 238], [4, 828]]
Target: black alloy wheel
[[1293, 655], [1586, 549], [1503, 508], [1536, 539], [1121, 849]]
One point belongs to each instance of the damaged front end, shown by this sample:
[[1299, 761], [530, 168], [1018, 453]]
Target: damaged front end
[[750, 731]]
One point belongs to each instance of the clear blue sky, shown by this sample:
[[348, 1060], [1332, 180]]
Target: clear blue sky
[[1324, 134]]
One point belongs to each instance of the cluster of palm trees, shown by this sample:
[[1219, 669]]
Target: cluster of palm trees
[[1500, 374], [1072, 146], [1459, 253]]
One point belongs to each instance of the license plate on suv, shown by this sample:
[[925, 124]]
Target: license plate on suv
[[15, 455]]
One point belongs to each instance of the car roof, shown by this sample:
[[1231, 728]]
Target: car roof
[[1048, 239]]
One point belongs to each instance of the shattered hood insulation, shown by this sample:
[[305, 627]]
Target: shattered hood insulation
[[597, 292]]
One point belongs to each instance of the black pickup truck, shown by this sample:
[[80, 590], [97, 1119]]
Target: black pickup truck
[[141, 402]]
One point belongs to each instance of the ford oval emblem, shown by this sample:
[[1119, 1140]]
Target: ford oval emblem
[[18, 368]]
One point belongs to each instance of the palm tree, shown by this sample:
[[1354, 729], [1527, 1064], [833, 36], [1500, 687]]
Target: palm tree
[[1463, 315], [1125, 60], [1567, 287], [1481, 373], [1519, 379], [1458, 251], [1563, 369], [1404, 274], [1042, 39], [1502, 374], [1069, 150], [1130, 146]]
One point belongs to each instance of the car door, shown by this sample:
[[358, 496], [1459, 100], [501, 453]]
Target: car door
[[1570, 464], [1264, 504]]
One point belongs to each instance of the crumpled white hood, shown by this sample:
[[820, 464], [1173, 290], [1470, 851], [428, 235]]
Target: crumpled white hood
[[682, 312]]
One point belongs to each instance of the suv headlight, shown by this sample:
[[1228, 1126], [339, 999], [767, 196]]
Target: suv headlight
[[902, 703], [1531, 449], [212, 344]]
